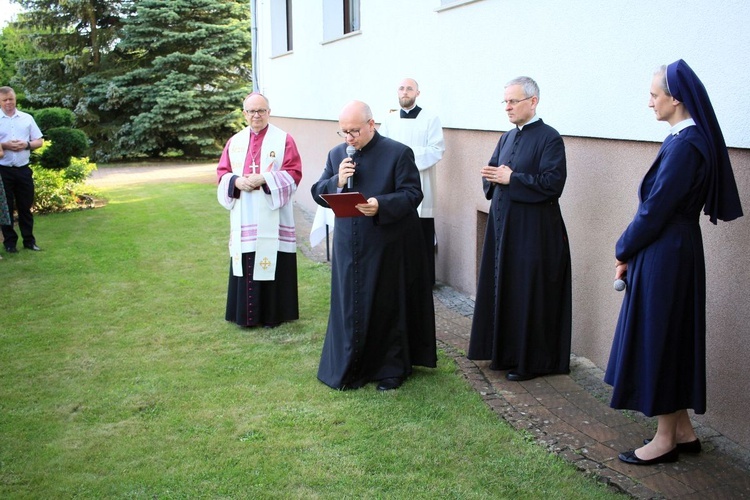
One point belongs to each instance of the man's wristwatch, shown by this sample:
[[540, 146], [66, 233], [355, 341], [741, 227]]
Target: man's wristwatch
[[28, 145]]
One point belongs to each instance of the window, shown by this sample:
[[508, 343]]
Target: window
[[289, 25], [351, 16], [340, 17], [281, 27]]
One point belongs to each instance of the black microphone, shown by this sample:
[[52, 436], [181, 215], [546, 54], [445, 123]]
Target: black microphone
[[620, 285], [350, 150]]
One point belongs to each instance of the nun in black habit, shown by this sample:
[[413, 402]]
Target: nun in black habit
[[657, 362], [382, 318]]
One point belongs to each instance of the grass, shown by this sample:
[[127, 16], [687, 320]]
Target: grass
[[120, 379]]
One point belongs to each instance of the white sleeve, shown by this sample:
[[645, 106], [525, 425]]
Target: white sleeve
[[222, 191]]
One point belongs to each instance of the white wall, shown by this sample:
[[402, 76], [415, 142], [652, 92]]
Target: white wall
[[593, 61]]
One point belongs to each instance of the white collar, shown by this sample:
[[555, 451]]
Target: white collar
[[680, 126], [535, 119]]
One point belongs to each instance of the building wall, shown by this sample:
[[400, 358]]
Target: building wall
[[593, 61]]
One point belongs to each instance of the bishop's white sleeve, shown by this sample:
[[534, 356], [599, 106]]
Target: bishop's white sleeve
[[280, 188], [222, 191]]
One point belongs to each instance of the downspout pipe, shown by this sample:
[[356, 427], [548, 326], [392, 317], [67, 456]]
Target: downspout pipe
[[254, 42]]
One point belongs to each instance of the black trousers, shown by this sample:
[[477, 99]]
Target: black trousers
[[19, 190]]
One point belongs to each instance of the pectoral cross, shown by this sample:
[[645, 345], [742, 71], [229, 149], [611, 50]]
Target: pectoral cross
[[253, 167]]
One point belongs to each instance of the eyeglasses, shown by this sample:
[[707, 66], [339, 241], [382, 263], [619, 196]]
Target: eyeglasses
[[259, 112], [513, 102], [354, 133]]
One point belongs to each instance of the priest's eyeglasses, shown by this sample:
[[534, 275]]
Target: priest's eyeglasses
[[259, 112], [354, 133], [513, 102]]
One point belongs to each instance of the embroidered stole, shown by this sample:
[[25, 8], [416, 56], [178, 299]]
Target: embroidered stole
[[254, 202]]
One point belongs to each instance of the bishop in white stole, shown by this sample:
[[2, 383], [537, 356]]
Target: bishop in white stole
[[262, 233]]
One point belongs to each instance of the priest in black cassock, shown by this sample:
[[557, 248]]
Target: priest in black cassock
[[522, 314], [382, 319]]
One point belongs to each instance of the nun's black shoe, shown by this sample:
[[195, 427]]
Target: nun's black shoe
[[689, 447], [629, 457], [519, 377]]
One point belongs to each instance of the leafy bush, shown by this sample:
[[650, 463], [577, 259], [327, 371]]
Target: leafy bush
[[60, 190], [49, 118], [78, 170], [50, 191], [60, 166], [66, 143]]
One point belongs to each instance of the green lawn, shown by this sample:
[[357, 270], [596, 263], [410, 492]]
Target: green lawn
[[120, 379]]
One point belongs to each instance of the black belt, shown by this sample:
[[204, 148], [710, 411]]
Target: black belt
[[13, 166]]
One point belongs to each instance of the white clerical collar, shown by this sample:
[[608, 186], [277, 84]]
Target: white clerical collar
[[407, 111], [535, 119], [679, 127]]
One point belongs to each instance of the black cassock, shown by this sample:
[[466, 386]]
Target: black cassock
[[382, 319], [522, 315]]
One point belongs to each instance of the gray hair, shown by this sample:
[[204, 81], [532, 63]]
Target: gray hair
[[251, 94], [662, 73], [529, 86]]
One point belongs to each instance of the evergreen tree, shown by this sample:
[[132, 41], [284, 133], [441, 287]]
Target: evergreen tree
[[71, 38], [143, 78], [175, 81], [13, 47]]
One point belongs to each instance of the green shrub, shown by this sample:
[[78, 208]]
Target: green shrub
[[78, 170], [65, 144], [60, 190], [51, 193], [49, 118]]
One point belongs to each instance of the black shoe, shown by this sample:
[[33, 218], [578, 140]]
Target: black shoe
[[689, 447], [519, 377], [388, 384], [11, 249], [629, 457], [32, 247]]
